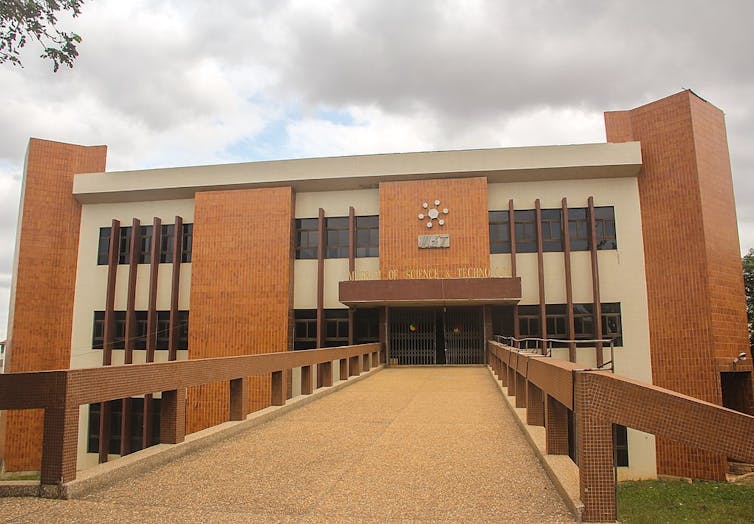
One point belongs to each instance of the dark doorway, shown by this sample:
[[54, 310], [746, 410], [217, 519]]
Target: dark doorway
[[737, 391], [440, 335]]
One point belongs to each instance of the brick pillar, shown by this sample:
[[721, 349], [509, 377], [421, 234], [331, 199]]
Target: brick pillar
[[596, 477], [324, 373], [365, 362], [520, 390], [173, 416], [60, 440], [535, 406], [239, 398], [511, 381], [556, 427], [279, 387], [306, 380], [353, 366], [343, 369]]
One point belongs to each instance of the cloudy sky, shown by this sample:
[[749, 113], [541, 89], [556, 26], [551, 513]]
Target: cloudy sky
[[168, 83]]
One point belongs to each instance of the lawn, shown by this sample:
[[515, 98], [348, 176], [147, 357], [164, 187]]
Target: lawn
[[658, 502]]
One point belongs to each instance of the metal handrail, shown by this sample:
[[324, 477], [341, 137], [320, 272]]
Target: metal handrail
[[547, 346]]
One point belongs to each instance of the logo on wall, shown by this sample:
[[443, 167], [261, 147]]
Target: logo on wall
[[433, 214]]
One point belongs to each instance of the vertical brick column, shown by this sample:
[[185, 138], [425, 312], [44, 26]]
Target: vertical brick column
[[353, 366], [324, 374], [535, 405], [343, 369], [511, 381], [556, 427], [595, 451], [173, 416], [239, 398], [46, 258], [307, 386], [278, 388], [241, 289], [504, 373], [693, 265], [365, 362]]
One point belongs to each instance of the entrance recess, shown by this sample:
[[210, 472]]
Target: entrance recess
[[427, 336]]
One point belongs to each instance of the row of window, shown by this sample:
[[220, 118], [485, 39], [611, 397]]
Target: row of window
[[144, 256], [556, 320], [366, 323], [337, 237], [552, 229], [135, 425], [140, 337]]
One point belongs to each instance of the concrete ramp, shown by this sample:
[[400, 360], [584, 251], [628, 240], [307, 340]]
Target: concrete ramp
[[419, 444]]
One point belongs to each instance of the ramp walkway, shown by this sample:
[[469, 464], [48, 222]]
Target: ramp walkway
[[425, 444]]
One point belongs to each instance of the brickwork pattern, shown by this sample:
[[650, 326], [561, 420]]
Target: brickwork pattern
[[47, 253], [691, 249], [466, 223], [240, 290]]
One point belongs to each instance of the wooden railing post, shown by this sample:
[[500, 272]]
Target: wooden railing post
[[239, 398], [173, 416], [278, 388]]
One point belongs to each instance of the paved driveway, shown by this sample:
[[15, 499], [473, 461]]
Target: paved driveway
[[407, 444]]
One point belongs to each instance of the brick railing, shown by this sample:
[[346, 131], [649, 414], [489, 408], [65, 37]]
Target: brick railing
[[549, 387], [60, 393]]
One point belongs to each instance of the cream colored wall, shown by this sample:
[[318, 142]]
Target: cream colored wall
[[336, 203], [91, 283], [622, 279]]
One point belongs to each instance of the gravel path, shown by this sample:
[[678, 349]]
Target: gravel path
[[406, 445]]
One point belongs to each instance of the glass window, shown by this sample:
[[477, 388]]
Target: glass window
[[307, 238], [166, 243], [336, 237], [611, 323], [557, 322], [604, 223], [583, 321], [620, 443], [526, 231], [336, 327], [188, 242], [368, 236], [500, 233], [367, 325], [145, 245], [552, 226], [124, 252], [103, 246], [305, 331], [578, 228]]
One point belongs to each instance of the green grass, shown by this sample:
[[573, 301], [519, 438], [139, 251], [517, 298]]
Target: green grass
[[658, 502], [28, 475]]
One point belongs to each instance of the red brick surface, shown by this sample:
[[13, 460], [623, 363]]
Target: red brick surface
[[466, 223], [40, 336], [693, 266], [240, 289]]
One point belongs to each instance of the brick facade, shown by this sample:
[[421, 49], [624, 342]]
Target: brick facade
[[466, 224], [693, 266], [241, 292], [42, 309]]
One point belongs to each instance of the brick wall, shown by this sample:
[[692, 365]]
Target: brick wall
[[693, 267], [466, 223], [40, 335], [240, 289]]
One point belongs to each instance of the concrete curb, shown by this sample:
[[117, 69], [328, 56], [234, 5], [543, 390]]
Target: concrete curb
[[574, 504], [140, 462]]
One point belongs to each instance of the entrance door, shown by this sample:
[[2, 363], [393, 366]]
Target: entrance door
[[428, 336], [464, 336]]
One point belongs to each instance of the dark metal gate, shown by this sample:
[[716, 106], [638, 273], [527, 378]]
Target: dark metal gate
[[436, 335], [412, 336], [464, 336]]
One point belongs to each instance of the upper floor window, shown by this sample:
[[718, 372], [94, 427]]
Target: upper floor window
[[604, 223], [368, 236], [500, 233], [578, 228], [140, 330], [526, 231], [144, 248], [307, 238], [337, 237], [552, 226]]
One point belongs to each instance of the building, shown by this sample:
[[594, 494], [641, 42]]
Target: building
[[632, 241], [2, 355]]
